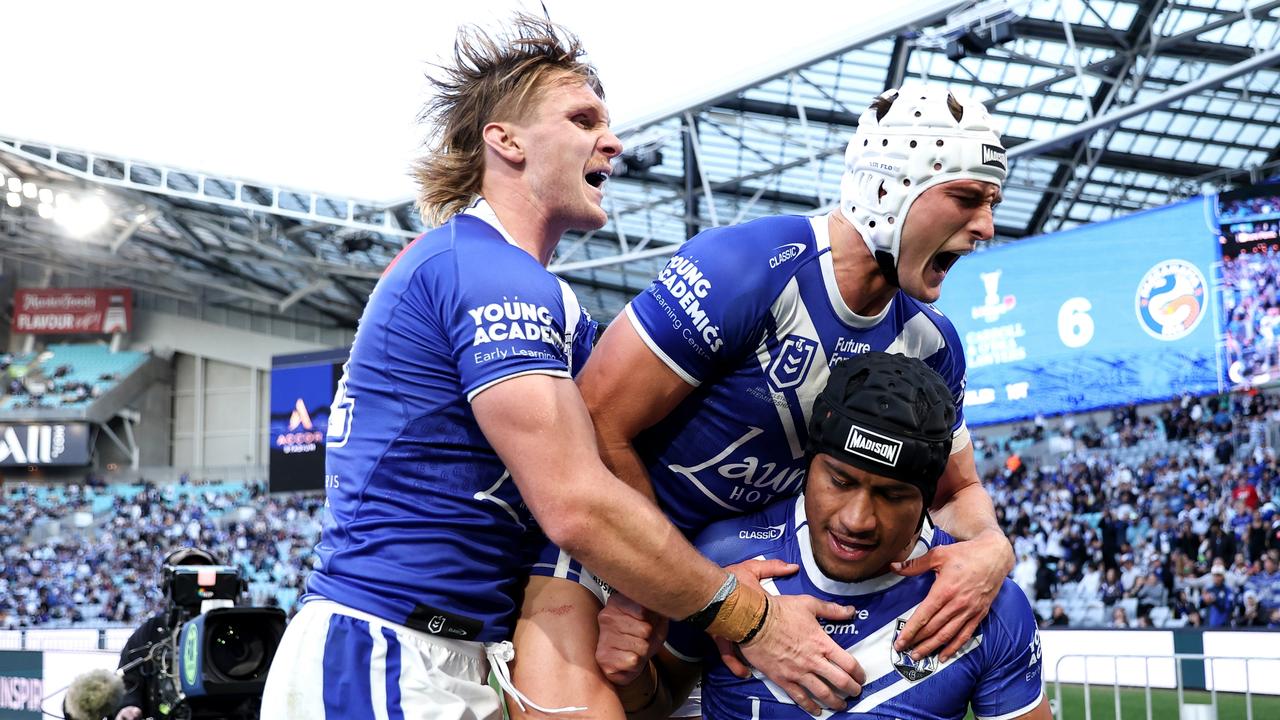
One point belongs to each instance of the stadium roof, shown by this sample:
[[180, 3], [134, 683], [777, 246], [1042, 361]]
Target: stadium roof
[[1109, 106]]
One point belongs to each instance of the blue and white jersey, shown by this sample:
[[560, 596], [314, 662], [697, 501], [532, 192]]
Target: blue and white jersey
[[998, 671], [425, 527], [751, 316]]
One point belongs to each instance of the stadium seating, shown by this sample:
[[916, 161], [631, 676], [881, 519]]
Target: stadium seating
[[107, 573], [66, 376], [1116, 499]]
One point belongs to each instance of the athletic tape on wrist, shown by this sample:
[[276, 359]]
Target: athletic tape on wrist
[[704, 617], [740, 613], [753, 632]]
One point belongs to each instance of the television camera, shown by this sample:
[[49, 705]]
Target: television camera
[[214, 660]]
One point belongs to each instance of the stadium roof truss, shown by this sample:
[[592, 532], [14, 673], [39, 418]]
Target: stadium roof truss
[[1108, 106]]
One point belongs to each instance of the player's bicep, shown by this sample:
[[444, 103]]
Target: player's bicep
[[626, 387], [540, 429], [961, 472]]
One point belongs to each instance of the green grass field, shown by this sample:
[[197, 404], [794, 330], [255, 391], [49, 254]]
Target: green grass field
[[1164, 704]]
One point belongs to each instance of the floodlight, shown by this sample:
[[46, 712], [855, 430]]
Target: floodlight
[[82, 217]]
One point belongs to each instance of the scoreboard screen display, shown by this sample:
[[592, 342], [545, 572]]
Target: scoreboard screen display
[[302, 390], [1249, 235], [1101, 315]]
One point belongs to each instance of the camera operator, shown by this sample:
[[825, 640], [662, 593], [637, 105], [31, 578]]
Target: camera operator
[[137, 701]]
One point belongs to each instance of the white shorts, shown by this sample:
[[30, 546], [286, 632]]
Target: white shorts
[[336, 662]]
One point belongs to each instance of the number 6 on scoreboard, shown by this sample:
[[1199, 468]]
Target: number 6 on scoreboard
[[1075, 327]]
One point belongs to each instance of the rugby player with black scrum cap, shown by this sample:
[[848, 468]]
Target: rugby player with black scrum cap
[[879, 438]]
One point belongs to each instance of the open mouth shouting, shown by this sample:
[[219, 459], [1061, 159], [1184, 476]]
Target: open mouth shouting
[[596, 178], [943, 261]]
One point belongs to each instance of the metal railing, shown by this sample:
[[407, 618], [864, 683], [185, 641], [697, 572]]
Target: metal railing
[[1177, 659]]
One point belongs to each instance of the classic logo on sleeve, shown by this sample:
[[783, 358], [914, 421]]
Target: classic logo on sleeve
[[784, 253], [515, 320], [772, 532]]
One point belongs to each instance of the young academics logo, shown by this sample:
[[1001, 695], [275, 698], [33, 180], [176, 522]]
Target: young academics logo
[[1170, 302], [873, 446]]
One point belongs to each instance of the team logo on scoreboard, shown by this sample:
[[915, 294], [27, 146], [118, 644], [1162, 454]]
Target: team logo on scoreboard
[[993, 306], [1171, 297]]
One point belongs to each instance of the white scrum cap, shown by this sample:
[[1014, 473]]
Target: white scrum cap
[[918, 143]]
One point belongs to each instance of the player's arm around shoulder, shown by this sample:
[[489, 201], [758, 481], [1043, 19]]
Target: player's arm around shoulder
[[628, 388], [1012, 683], [970, 571], [540, 429], [671, 338]]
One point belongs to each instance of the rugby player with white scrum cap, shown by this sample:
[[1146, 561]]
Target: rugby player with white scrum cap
[[700, 395]]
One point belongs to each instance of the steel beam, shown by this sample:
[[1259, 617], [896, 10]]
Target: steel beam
[[1257, 62]]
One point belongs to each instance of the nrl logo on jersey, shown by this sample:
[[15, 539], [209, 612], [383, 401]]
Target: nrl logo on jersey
[[791, 364], [912, 670]]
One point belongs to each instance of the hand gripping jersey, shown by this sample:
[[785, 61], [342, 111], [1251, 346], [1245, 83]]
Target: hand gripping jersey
[[425, 527], [752, 316], [998, 671]]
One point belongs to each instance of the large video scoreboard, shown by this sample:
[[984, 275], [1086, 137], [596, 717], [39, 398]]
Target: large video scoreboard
[[302, 390], [1101, 315]]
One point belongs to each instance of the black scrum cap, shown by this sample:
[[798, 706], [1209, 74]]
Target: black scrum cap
[[890, 415]]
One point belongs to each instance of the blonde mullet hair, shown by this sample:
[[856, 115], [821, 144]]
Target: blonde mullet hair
[[492, 78]]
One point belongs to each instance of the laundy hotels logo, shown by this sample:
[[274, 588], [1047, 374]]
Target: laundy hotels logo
[[1170, 302]]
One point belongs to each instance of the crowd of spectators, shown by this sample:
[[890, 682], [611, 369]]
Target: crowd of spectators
[[40, 381], [1247, 208], [1156, 519], [1182, 533], [54, 574], [1252, 309]]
